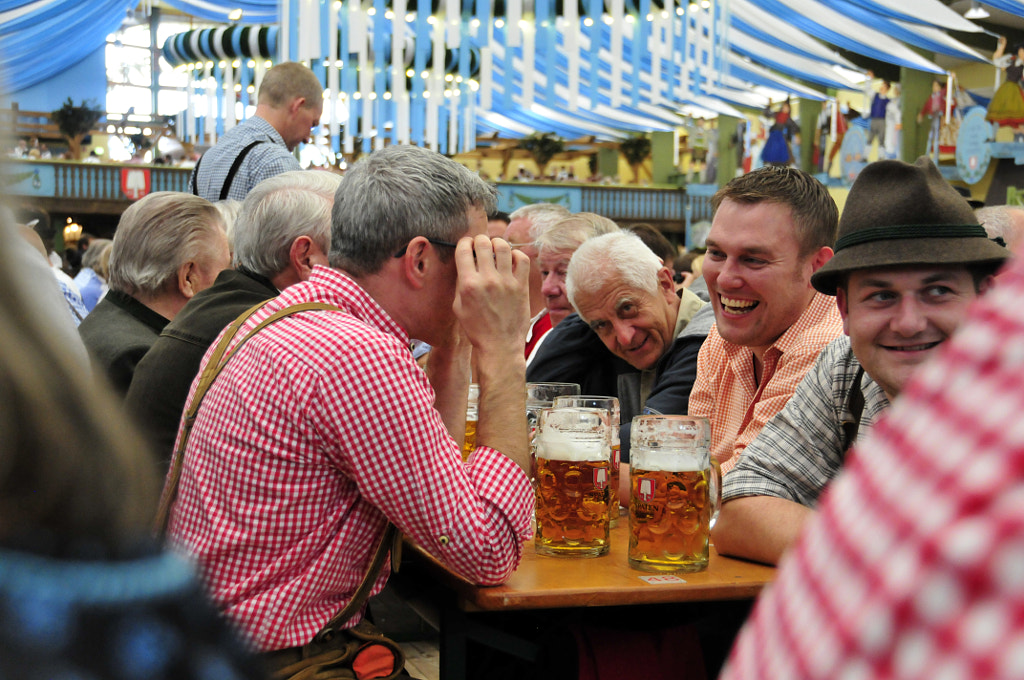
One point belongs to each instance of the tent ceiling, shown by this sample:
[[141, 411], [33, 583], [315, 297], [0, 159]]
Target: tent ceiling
[[633, 78]]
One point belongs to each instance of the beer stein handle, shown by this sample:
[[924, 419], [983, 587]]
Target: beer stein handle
[[715, 491]]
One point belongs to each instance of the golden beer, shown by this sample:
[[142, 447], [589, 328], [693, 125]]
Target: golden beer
[[669, 520], [611, 404], [470, 442], [572, 506], [613, 498]]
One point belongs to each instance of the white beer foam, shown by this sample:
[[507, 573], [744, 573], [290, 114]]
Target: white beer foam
[[669, 460], [555, 445]]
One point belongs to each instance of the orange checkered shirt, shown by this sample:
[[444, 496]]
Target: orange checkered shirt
[[727, 393]]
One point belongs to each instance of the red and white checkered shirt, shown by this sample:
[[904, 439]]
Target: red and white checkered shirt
[[727, 393], [914, 565], [320, 428]]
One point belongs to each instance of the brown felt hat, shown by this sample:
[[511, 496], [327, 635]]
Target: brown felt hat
[[902, 214]]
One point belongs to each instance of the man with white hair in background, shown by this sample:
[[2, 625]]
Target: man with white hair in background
[[571, 352], [1005, 222], [168, 247], [628, 300], [282, 230], [526, 225]]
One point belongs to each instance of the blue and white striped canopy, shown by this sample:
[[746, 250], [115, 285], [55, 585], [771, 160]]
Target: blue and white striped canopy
[[599, 67]]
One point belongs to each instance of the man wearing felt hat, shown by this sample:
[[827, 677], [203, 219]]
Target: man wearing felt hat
[[909, 260]]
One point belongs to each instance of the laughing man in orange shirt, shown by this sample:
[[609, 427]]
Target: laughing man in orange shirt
[[772, 229]]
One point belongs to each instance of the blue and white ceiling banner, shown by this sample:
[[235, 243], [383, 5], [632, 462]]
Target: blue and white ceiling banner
[[821, 21], [931, 12], [241, 11], [640, 60], [754, 21]]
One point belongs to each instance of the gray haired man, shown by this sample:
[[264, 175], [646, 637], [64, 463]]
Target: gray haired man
[[282, 231], [322, 429], [168, 247]]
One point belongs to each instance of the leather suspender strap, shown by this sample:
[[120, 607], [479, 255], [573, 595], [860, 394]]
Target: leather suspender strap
[[391, 538], [231, 172], [218, 360], [856, 405]]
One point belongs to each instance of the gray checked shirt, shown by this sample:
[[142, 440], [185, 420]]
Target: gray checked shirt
[[262, 161], [803, 446]]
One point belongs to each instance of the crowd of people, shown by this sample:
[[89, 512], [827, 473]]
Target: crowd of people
[[267, 353]]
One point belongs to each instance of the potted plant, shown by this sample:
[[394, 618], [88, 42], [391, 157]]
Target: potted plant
[[542, 146], [636, 150], [75, 122]]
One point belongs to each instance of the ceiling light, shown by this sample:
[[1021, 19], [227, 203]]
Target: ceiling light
[[976, 12]]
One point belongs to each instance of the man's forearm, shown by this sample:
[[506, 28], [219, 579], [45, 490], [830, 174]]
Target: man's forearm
[[502, 419], [759, 528]]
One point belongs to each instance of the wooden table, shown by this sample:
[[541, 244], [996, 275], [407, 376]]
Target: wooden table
[[543, 582]]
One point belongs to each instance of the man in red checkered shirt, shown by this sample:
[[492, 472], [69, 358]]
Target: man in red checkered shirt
[[322, 427]]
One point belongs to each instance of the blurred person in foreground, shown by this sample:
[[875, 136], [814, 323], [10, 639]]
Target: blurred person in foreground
[[772, 229], [282, 231], [910, 259], [526, 225], [328, 429], [911, 566], [83, 590], [168, 247]]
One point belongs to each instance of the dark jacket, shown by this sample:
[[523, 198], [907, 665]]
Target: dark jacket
[[162, 379], [573, 353], [118, 332]]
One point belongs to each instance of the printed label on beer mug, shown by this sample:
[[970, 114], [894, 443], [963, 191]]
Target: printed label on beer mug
[[600, 478], [661, 579], [646, 490]]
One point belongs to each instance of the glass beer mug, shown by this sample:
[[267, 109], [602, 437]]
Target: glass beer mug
[[573, 482], [611, 404], [472, 418], [539, 396], [675, 493]]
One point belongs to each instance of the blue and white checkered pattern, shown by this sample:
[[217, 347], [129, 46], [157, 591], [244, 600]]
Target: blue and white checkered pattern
[[263, 161]]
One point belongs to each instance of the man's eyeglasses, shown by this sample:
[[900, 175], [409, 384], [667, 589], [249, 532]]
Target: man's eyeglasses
[[436, 242]]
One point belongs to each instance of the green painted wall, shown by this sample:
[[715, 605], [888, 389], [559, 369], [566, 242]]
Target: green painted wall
[[662, 167]]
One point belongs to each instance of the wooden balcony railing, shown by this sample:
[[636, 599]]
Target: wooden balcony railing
[[109, 188]]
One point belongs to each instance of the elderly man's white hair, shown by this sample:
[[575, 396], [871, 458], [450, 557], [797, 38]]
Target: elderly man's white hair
[[279, 210], [570, 232], [542, 216], [601, 258], [1003, 221], [156, 235]]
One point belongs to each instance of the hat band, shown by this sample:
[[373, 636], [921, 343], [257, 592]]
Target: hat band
[[916, 231]]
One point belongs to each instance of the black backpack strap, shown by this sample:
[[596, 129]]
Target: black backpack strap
[[195, 176], [234, 168], [231, 172], [855, 403]]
